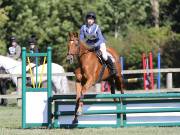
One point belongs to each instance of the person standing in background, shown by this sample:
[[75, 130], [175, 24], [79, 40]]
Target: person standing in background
[[33, 49], [14, 51]]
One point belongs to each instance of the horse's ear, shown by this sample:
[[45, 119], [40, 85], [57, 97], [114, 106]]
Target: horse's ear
[[76, 34], [69, 34]]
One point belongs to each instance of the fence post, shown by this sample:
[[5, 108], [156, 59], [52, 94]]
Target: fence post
[[169, 81], [49, 84], [144, 68], [122, 66], [98, 87], [23, 87], [19, 91]]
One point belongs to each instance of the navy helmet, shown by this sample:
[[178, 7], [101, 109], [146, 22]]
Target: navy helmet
[[32, 41], [91, 15], [12, 39]]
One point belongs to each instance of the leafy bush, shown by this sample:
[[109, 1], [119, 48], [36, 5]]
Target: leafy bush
[[138, 41]]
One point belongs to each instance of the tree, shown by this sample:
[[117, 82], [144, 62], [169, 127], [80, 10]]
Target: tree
[[155, 12], [3, 20], [118, 15], [49, 20], [170, 14]]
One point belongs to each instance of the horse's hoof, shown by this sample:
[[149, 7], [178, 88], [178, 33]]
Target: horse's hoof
[[52, 116], [115, 100], [79, 113], [75, 121]]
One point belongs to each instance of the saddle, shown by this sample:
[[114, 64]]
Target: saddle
[[99, 56], [104, 64]]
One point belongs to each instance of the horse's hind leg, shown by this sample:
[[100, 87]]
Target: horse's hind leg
[[118, 78], [112, 84], [119, 83]]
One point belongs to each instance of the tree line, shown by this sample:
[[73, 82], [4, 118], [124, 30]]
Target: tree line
[[130, 26]]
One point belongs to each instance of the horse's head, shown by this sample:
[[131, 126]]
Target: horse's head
[[73, 46]]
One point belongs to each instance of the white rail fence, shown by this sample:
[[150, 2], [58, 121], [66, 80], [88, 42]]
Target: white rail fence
[[169, 78]]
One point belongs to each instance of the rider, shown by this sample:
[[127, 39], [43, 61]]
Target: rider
[[14, 51], [33, 48], [91, 34]]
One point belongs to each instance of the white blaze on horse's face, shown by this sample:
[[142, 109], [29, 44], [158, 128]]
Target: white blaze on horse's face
[[71, 42], [73, 47]]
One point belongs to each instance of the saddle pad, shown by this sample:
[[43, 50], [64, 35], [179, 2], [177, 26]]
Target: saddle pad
[[110, 55]]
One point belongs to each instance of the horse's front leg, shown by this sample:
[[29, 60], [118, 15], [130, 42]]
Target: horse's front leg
[[78, 105], [90, 81], [78, 94]]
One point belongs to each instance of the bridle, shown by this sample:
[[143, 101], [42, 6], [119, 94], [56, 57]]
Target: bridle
[[70, 56], [78, 45], [78, 51]]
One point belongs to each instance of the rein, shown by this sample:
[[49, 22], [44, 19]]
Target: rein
[[79, 49]]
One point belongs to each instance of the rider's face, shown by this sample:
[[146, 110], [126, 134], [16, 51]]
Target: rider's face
[[14, 43], [90, 21]]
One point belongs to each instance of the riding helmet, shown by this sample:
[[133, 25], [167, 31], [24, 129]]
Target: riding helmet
[[13, 39], [91, 15], [32, 41]]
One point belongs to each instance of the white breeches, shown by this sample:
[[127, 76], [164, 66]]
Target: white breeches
[[103, 50]]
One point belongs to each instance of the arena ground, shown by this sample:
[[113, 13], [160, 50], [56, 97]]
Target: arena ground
[[10, 124]]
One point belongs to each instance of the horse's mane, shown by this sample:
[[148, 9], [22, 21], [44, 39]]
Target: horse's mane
[[84, 45]]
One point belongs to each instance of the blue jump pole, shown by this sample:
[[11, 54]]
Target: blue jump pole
[[122, 65], [159, 73]]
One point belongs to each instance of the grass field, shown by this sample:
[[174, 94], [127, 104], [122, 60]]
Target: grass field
[[10, 124]]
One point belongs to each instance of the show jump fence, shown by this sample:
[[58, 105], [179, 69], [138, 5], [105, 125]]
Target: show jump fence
[[36, 105], [145, 109], [153, 109]]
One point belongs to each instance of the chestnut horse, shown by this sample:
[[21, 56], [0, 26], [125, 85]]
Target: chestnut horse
[[87, 73]]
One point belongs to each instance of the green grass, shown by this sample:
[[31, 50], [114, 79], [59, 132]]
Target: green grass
[[10, 124]]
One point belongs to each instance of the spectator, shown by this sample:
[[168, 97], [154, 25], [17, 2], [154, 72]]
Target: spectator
[[14, 51], [33, 49]]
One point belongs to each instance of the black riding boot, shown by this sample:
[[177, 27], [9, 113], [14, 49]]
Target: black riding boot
[[111, 66]]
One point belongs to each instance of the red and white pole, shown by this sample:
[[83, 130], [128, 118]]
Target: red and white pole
[[151, 73], [144, 68]]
